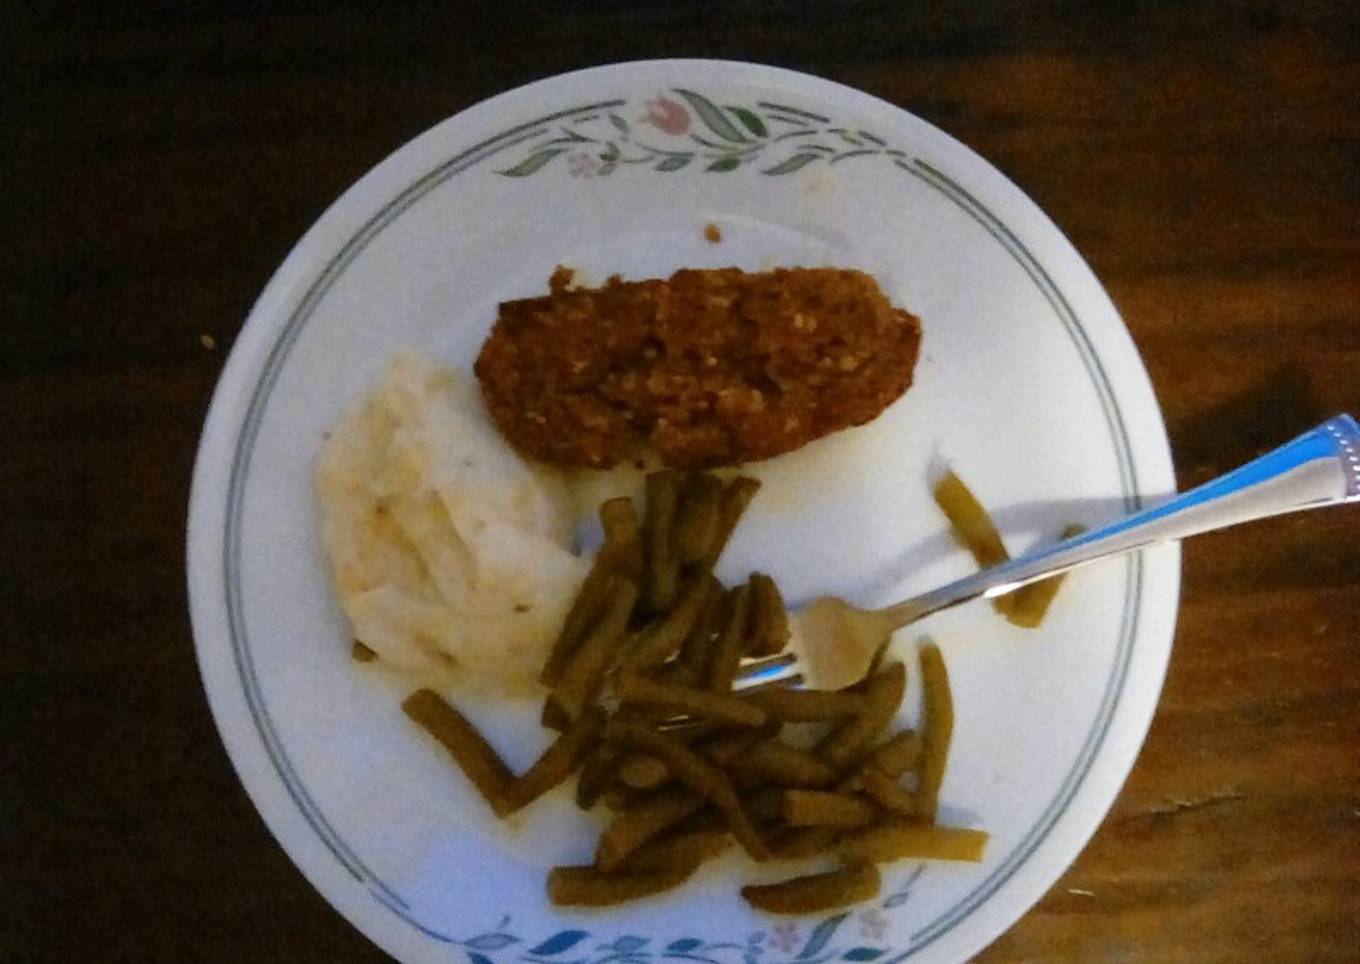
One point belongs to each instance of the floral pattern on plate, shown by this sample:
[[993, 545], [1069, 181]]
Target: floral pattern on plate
[[783, 943], [683, 129]]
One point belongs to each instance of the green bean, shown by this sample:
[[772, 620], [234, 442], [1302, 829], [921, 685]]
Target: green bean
[[663, 564], [585, 611], [678, 851], [726, 654], [661, 640], [469, 749], [582, 676], [882, 696], [769, 619], [895, 755], [815, 892], [696, 773], [795, 843], [642, 772], [939, 729], [807, 706], [736, 497], [641, 822], [899, 839], [969, 522], [1027, 606], [687, 700], [787, 766], [596, 772], [885, 792], [559, 761], [816, 808], [590, 887], [622, 547], [700, 518], [698, 645]]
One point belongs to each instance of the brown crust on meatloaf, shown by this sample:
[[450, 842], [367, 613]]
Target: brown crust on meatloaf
[[710, 367]]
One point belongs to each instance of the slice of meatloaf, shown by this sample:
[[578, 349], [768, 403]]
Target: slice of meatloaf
[[709, 367]]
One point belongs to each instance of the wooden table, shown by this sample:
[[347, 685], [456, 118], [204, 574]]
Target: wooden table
[[158, 167]]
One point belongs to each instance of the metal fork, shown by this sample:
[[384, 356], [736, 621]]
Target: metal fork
[[834, 642]]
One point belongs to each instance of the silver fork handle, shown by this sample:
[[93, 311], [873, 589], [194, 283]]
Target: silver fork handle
[[1321, 467]]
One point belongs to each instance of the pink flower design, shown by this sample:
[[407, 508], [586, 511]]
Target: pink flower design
[[784, 936], [666, 115], [582, 164], [872, 924]]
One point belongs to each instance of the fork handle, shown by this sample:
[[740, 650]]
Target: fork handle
[[1320, 467]]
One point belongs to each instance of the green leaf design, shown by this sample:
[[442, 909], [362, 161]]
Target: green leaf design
[[750, 120], [712, 116], [713, 144], [862, 954], [570, 136], [795, 163], [532, 163], [786, 109], [859, 153], [490, 942], [684, 945], [820, 935], [559, 942], [721, 139], [628, 944]]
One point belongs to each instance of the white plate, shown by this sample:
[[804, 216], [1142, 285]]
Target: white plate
[[1028, 384]]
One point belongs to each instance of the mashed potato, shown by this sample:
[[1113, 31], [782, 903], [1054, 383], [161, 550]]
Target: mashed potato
[[449, 551]]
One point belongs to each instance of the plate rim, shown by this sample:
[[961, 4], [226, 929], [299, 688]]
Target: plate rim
[[263, 322]]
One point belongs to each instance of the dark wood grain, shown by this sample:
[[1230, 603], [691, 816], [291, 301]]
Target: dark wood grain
[[157, 165]]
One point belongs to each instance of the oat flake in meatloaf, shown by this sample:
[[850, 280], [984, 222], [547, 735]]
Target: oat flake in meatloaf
[[710, 367]]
